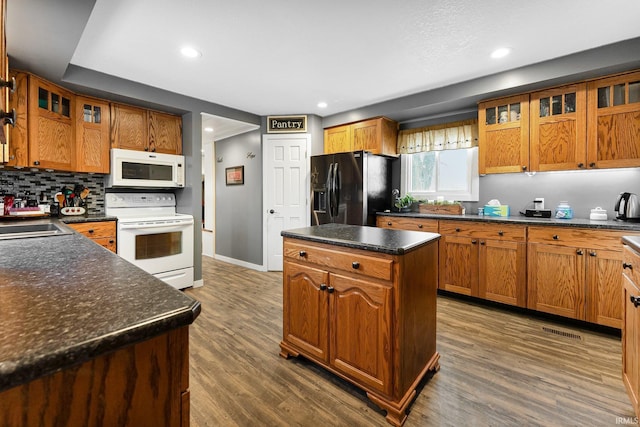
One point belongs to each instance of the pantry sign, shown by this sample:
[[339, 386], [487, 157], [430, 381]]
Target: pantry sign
[[286, 124]]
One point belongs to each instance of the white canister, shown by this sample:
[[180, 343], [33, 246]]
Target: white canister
[[598, 214]]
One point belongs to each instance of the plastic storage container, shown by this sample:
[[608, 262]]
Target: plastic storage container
[[564, 211]]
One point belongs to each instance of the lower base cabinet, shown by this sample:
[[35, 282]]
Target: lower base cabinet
[[367, 317], [101, 232], [575, 272], [631, 326], [145, 384]]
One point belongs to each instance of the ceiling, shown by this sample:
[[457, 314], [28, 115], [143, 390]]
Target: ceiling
[[283, 57]]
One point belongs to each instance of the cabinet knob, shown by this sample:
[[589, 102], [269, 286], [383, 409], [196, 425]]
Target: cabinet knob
[[457, 230], [556, 237], [627, 265], [11, 84], [302, 253], [580, 165], [90, 231], [524, 168], [419, 225], [592, 164], [474, 241], [635, 300], [111, 241], [500, 233], [330, 289], [36, 163], [146, 148], [482, 242], [389, 224], [579, 252], [355, 265], [323, 286], [8, 117], [593, 253]]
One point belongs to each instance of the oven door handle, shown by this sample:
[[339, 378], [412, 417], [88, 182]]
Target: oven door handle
[[156, 225]]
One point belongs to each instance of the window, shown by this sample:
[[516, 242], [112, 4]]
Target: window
[[451, 174]]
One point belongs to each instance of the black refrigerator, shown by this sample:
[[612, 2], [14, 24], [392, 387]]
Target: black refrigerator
[[349, 188]]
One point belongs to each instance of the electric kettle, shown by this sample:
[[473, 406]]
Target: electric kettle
[[628, 207]]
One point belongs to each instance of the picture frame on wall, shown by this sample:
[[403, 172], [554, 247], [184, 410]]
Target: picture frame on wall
[[234, 175]]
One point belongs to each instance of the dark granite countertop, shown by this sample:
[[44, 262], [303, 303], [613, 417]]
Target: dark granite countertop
[[70, 219], [394, 242], [633, 241], [65, 300], [575, 222]]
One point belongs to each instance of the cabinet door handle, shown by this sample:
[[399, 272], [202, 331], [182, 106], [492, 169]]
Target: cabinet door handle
[[580, 165], [556, 237], [457, 230], [474, 241], [8, 118], [627, 265], [302, 253], [389, 224], [593, 253], [635, 300], [419, 225], [330, 289], [482, 242], [355, 265], [592, 165], [323, 286], [524, 168], [111, 241], [500, 233], [36, 163], [579, 252], [90, 231]]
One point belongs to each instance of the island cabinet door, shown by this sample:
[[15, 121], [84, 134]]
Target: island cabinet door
[[306, 309], [556, 280], [361, 331], [631, 342]]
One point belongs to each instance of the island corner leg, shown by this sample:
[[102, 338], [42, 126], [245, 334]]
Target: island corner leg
[[286, 351]]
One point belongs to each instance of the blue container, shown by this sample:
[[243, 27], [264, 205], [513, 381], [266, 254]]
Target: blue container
[[564, 211]]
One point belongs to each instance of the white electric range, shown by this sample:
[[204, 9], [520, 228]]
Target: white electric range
[[153, 236]]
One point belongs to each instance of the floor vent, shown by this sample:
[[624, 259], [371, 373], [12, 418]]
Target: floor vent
[[562, 333]]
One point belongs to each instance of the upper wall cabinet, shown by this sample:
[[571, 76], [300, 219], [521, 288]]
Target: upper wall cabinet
[[4, 91], [378, 135], [558, 121], [135, 128], [44, 135], [92, 135], [613, 129], [503, 140]]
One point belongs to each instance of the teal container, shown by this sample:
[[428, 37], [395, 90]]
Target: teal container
[[564, 211]]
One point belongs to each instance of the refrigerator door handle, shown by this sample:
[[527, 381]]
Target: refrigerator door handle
[[330, 190]]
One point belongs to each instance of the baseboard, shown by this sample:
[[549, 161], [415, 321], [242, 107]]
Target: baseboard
[[240, 263], [198, 283]]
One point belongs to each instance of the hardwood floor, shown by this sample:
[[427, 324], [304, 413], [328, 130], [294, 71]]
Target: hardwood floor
[[498, 368]]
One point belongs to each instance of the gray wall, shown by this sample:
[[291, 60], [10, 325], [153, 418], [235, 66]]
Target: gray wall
[[238, 228], [584, 190]]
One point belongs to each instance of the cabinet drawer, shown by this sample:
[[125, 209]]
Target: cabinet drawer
[[577, 237], [95, 229], [631, 258], [411, 224], [107, 242], [350, 261], [483, 230]]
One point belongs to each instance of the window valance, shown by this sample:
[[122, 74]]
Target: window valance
[[448, 136]]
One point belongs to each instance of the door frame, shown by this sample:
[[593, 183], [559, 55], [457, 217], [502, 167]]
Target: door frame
[[307, 186]]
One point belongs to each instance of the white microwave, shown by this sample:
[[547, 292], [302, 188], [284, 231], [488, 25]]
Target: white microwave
[[130, 168]]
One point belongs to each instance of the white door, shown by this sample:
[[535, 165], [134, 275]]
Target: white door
[[286, 167]]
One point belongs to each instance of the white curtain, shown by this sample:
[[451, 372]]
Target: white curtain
[[450, 136]]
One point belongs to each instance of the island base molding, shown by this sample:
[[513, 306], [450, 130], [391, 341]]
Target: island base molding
[[396, 409]]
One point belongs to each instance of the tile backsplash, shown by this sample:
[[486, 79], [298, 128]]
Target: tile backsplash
[[19, 182]]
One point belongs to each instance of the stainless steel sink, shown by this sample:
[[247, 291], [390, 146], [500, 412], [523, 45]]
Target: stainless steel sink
[[21, 231]]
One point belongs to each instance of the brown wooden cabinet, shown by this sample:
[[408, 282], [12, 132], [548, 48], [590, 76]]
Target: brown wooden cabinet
[[484, 260], [575, 272], [558, 128], [631, 326], [4, 75], [135, 128], [145, 384], [613, 123], [365, 316], [378, 135], [44, 135], [503, 139], [101, 232], [92, 135], [407, 223]]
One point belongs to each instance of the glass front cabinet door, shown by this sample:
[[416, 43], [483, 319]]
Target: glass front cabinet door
[[613, 130], [558, 128], [503, 140]]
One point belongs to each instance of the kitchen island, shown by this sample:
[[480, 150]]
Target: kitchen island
[[361, 302], [88, 338]]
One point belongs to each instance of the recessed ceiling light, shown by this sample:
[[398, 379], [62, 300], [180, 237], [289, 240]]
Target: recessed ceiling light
[[208, 129], [322, 105], [500, 52], [190, 52]]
